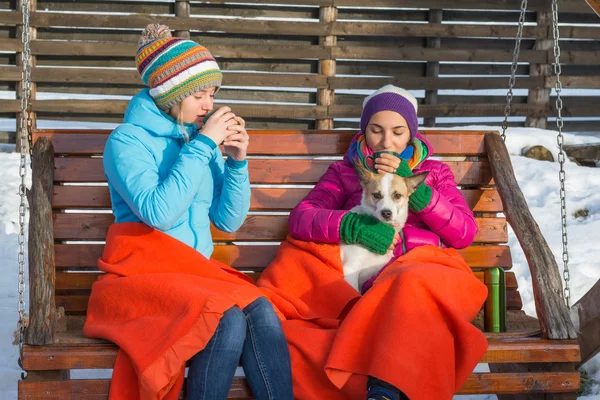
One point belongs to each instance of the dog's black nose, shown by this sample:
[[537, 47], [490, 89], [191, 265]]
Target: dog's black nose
[[387, 214]]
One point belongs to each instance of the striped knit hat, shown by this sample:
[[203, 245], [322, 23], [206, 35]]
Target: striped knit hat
[[174, 68]]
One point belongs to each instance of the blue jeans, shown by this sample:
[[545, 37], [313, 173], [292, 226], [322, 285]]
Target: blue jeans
[[253, 335]]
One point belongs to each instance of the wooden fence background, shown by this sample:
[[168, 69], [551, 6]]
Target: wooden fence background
[[309, 63]]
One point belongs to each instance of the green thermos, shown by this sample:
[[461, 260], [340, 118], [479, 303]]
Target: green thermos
[[495, 305]]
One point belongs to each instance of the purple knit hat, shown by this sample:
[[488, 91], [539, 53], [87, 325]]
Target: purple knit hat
[[391, 98]]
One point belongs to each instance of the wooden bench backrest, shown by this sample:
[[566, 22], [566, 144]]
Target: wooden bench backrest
[[283, 167]]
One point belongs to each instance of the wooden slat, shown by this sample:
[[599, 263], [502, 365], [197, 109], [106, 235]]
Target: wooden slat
[[363, 28], [69, 281], [304, 66], [102, 356], [119, 107], [267, 171], [480, 383], [78, 303], [225, 94], [262, 199], [140, 21], [75, 281], [580, 57], [85, 256], [454, 110], [10, 106], [423, 54], [132, 77], [11, 45], [76, 256], [279, 142], [519, 325], [514, 301], [538, 5], [419, 83], [91, 5], [487, 256], [515, 383], [121, 49], [86, 226], [10, 74]]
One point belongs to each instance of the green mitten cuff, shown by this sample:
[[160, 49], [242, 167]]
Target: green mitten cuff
[[420, 198], [367, 231], [404, 170]]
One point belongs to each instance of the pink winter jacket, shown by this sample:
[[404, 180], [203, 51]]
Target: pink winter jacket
[[446, 221]]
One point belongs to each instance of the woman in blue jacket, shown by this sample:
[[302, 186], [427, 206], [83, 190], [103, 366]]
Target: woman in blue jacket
[[165, 169]]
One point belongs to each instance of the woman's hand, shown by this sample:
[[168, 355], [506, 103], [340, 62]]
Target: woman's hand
[[394, 242], [217, 126], [236, 144], [387, 163]]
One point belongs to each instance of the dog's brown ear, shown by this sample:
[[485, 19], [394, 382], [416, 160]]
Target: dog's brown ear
[[412, 182], [364, 174]]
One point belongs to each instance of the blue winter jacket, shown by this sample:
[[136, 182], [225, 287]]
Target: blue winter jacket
[[177, 185]]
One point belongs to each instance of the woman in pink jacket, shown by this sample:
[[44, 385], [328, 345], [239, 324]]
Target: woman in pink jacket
[[439, 214]]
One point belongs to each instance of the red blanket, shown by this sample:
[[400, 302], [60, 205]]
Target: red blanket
[[412, 328], [160, 302]]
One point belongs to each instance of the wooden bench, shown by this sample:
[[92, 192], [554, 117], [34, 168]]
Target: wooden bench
[[70, 215]]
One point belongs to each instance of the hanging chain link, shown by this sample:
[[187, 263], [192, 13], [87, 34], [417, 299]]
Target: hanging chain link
[[26, 125], [513, 68], [561, 152]]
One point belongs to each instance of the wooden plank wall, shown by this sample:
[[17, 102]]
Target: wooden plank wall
[[309, 63]]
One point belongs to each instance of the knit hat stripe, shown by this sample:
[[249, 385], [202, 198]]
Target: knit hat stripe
[[170, 94], [180, 63], [151, 47], [177, 69], [198, 71], [185, 90], [170, 53], [153, 50]]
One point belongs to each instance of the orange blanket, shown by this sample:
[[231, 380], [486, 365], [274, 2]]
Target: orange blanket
[[160, 302], [412, 328]]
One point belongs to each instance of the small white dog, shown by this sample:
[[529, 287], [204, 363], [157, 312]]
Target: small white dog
[[385, 197]]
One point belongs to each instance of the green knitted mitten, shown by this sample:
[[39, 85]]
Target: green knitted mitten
[[368, 231], [420, 198]]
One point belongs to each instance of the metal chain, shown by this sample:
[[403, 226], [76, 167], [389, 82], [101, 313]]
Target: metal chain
[[513, 68], [561, 152], [25, 138]]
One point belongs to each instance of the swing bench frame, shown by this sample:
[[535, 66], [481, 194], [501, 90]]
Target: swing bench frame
[[531, 357]]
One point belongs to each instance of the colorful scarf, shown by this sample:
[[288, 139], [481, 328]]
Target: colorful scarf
[[415, 152]]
